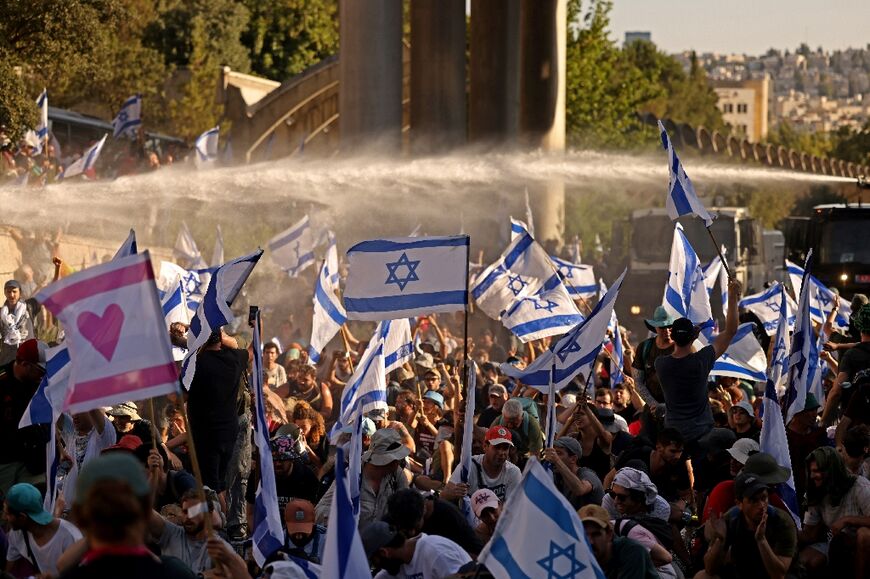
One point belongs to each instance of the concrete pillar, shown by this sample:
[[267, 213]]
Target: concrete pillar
[[370, 88], [542, 73], [495, 52], [438, 109]]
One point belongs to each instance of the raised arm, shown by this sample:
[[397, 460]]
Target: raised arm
[[721, 342]]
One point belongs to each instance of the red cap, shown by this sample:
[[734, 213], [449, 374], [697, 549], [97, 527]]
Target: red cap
[[31, 351], [299, 516], [128, 442], [499, 435]]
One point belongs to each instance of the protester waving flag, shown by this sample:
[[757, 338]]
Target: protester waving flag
[[765, 305], [682, 199], [329, 314], [206, 147], [129, 118], [343, 553], [293, 249], [685, 293], [803, 358], [744, 357], [214, 312], [539, 534], [128, 247], [404, 277], [85, 165], [118, 345], [572, 354], [268, 535], [578, 278], [822, 300]]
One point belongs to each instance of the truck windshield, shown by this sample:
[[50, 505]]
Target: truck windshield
[[652, 236], [845, 241]]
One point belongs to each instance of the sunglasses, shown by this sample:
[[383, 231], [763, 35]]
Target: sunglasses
[[618, 496]]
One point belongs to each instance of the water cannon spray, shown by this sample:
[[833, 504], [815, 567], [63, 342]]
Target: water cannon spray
[[862, 182]]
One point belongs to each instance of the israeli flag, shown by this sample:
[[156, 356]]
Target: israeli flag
[[268, 534], [128, 119], [765, 305], [685, 294], [186, 248], [578, 278], [193, 282], [558, 545], [206, 147], [405, 277], [574, 353], [329, 314], [549, 312], [773, 440], [803, 358], [821, 302], [366, 390], [87, 161], [217, 256], [519, 228], [343, 553], [214, 312], [617, 376], [354, 465], [128, 247], [398, 343], [37, 138], [174, 304], [468, 426], [520, 271], [332, 257], [682, 199], [744, 358], [715, 272], [293, 249]]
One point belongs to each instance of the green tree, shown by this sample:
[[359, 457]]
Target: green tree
[[284, 37], [784, 134], [851, 145]]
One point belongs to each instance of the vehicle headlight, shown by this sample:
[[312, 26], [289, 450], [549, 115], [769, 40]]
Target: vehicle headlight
[[844, 277], [635, 310]]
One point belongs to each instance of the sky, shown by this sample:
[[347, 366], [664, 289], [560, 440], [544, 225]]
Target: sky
[[744, 26]]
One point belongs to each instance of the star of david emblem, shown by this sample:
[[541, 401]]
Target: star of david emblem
[[516, 284], [567, 272], [192, 283], [122, 117], [561, 563], [543, 305], [773, 305], [409, 265], [571, 347]]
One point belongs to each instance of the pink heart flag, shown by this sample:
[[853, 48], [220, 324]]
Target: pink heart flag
[[103, 332]]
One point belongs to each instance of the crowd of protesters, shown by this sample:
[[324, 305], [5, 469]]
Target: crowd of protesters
[[664, 467]]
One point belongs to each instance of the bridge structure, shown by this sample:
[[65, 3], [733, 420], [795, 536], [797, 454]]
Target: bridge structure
[[382, 95]]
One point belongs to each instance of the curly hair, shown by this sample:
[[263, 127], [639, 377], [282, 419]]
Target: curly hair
[[837, 480], [304, 410]]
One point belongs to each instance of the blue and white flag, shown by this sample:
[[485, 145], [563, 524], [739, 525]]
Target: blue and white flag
[[530, 219], [405, 277], [186, 248], [744, 358], [174, 304], [715, 272], [617, 363], [682, 199], [206, 147], [214, 311], [268, 534], [777, 370], [126, 123], [549, 312], [87, 161], [578, 278], [128, 247], [519, 228], [821, 301], [329, 314], [398, 344], [193, 282], [332, 257], [343, 553], [574, 353], [293, 249], [468, 425], [556, 545], [803, 358], [765, 305], [773, 440], [366, 389], [217, 256], [685, 293], [36, 138], [354, 465]]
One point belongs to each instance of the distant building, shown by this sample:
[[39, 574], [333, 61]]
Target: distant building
[[633, 36], [744, 105]]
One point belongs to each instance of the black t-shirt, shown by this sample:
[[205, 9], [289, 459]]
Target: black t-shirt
[[852, 362], [448, 521], [214, 390], [650, 352], [487, 416], [684, 383], [131, 567], [754, 433], [301, 484], [14, 398], [669, 482]]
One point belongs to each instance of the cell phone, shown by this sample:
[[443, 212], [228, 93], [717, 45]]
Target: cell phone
[[252, 315]]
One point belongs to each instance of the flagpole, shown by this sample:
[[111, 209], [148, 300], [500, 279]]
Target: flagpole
[[194, 463], [465, 313], [719, 251], [343, 331]]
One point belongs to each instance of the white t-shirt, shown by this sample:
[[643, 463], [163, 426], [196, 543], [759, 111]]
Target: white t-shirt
[[502, 485], [856, 503], [48, 554], [434, 558], [174, 542]]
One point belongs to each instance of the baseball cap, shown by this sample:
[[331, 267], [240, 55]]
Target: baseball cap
[[299, 516], [435, 397], [595, 514], [765, 467], [32, 351], [743, 449], [572, 445], [25, 498], [128, 443], [483, 499], [12, 284], [499, 435], [747, 485], [683, 331], [284, 448], [376, 535], [118, 466], [746, 406], [498, 390]]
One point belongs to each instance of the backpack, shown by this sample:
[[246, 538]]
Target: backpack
[[659, 528], [531, 407]]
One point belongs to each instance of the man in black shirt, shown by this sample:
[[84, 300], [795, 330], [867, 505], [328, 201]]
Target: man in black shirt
[[498, 395], [413, 514], [293, 478], [212, 405]]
